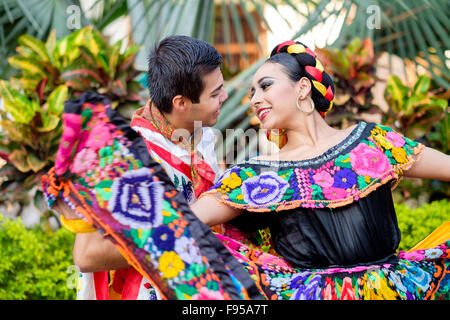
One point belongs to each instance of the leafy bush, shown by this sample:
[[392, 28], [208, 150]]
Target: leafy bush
[[417, 223], [50, 73], [34, 264]]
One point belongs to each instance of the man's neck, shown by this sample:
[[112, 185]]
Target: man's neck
[[191, 133]]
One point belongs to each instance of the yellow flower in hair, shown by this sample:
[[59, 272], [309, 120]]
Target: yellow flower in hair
[[295, 48]]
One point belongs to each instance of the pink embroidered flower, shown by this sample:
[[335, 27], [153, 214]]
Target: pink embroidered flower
[[367, 161], [416, 255], [323, 179], [83, 160], [396, 139], [206, 294], [71, 129], [333, 193], [99, 136]]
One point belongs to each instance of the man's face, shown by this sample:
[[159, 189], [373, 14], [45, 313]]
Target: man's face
[[207, 110]]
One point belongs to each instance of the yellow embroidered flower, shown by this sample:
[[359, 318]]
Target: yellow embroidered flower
[[382, 141], [232, 181], [170, 264], [399, 155], [378, 130]]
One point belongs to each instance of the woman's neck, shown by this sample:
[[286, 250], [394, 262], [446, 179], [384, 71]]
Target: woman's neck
[[309, 132]]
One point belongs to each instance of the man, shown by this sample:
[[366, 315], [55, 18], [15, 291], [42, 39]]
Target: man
[[186, 90]]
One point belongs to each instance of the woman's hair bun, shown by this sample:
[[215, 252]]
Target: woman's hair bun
[[322, 84]]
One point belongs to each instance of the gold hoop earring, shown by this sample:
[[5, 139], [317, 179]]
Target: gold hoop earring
[[306, 112]]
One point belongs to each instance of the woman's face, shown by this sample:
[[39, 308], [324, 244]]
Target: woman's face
[[273, 96]]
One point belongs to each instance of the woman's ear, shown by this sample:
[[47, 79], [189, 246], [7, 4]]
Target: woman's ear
[[303, 87]]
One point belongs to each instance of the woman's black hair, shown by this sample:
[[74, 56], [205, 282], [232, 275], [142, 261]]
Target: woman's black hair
[[176, 66], [297, 63]]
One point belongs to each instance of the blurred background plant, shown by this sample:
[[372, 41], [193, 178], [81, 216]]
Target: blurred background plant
[[35, 264], [50, 73], [353, 72]]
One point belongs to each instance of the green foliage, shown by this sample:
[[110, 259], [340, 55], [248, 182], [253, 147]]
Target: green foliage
[[34, 264], [417, 223], [50, 73], [413, 111], [353, 72]]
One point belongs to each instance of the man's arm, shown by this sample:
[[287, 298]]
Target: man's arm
[[91, 251]]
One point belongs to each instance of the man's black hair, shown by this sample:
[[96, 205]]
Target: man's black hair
[[176, 66]]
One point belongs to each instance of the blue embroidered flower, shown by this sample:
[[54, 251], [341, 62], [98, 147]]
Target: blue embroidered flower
[[136, 199], [164, 238], [307, 289], [344, 178], [264, 189], [416, 278]]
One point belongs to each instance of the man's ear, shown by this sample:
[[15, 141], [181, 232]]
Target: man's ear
[[181, 104]]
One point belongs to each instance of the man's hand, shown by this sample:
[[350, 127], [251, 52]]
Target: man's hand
[[62, 208], [91, 251]]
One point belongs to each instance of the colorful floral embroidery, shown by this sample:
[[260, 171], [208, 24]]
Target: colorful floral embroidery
[[263, 189], [163, 239], [405, 280], [112, 189], [371, 156], [136, 200]]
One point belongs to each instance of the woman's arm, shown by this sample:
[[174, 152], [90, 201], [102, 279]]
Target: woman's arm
[[432, 164], [211, 211]]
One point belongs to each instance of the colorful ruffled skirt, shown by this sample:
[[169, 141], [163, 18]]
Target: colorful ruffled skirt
[[104, 173]]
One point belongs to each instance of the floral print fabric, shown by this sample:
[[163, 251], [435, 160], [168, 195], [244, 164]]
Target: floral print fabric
[[372, 155], [115, 186], [120, 191], [418, 275]]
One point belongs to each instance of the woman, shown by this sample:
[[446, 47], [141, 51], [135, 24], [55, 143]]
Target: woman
[[326, 196], [315, 221]]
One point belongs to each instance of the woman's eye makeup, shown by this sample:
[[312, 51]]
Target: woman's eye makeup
[[263, 84]]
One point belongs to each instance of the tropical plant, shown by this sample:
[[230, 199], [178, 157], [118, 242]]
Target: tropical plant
[[413, 111], [353, 73], [51, 73]]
